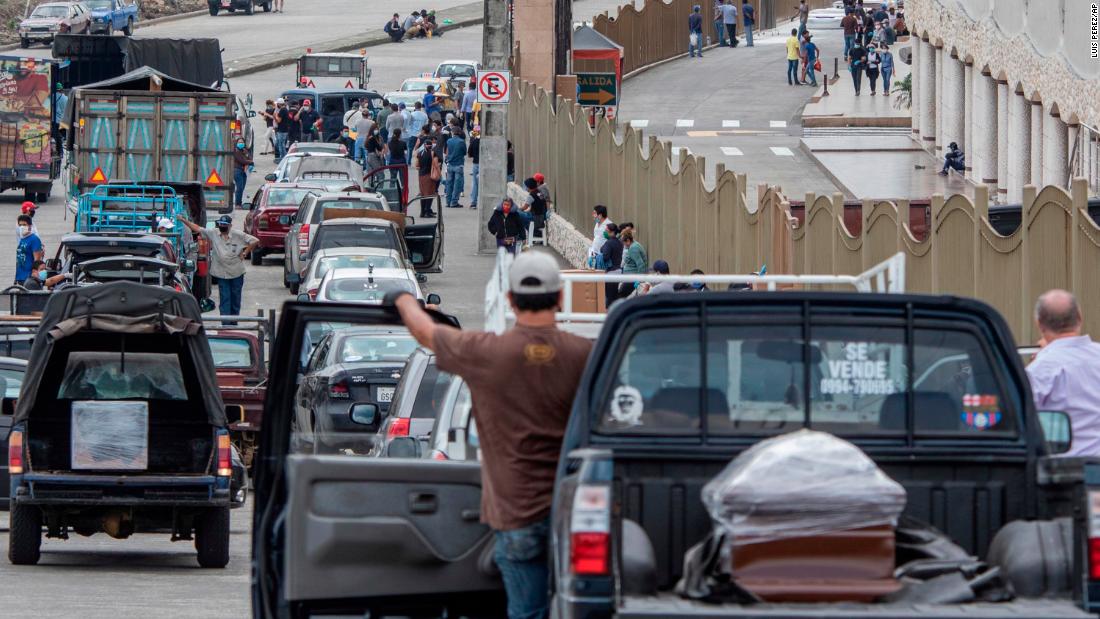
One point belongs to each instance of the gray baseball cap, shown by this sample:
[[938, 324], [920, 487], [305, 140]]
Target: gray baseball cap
[[534, 272]]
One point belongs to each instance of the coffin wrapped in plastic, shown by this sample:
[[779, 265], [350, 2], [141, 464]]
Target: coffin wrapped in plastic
[[801, 484]]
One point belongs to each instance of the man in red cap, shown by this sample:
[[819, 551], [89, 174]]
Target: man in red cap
[[544, 191], [28, 210]]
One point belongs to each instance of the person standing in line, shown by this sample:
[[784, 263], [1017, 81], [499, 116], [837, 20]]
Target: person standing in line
[[229, 249], [729, 19], [396, 148], [418, 119], [849, 24], [282, 128], [455, 152], [802, 57], [28, 249], [278, 6], [599, 216], [748, 15], [521, 427], [425, 158], [792, 58], [431, 103], [473, 151], [468, 101], [868, 29], [856, 63], [242, 162], [811, 57], [1066, 372], [383, 116], [873, 63], [719, 24], [364, 128], [309, 119], [695, 32], [612, 253], [394, 122], [376, 151], [887, 68], [635, 261], [268, 114], [344, 139], [507, 226]]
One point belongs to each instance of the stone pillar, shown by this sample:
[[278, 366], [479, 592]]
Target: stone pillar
[[1036, 173], [928, 97], [1002, 140], [985, 130], [951, 100], [533, 27], [1055, 150], [914, 93], [941, 96], [1018, 147], [967, 142]]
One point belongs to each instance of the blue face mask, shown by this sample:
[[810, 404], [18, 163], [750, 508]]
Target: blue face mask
[[41, 276], [697, 285], [240, 146]]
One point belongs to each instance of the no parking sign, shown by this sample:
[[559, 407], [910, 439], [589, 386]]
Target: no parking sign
[[493, 86]]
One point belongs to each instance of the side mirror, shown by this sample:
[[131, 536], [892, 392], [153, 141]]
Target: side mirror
[[248, 100], [188, 266], [246, 206], [433, 299], [271, 178], [1057, 431], [366, 415], [403, 447], [251, 113], [53, 264], [8, 407], [206, 304], [304, 298]]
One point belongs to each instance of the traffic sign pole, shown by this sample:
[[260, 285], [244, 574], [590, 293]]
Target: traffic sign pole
[[493, 180]]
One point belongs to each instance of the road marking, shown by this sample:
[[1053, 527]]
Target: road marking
[[731, 151], [777, 124], [639, 124], [685, 122], [727, 124], [782, 151]]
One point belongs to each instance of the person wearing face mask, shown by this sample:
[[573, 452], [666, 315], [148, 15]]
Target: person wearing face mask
[[506, 225], [242, 163], [376, 150], [611, 253], [27, 250], [40, 279], [599, 216], [344, 139], [229, 249]]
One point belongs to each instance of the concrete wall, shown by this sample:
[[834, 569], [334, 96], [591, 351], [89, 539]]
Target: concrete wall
[[533, 32]]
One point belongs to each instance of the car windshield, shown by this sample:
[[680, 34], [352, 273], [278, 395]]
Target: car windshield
[[417, 85], [328, 263], [455, 70], [98, 4], [118, 376], [231, 352], [334, 184], [365, 289], [373, 205], [381, 347], [287, 197], [353, 236], [51, 11], [12, 380]]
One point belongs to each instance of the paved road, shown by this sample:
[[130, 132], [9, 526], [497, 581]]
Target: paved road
[[733, 106]]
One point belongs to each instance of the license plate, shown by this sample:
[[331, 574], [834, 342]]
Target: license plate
[[385, 394]]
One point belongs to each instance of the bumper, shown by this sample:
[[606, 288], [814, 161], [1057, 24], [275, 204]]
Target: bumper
[[79, 490], [270, 241]]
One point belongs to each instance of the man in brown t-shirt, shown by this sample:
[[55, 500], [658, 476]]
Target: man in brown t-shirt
[[522, 384]]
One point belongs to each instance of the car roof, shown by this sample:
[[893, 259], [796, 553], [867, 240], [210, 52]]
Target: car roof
[[359, 221], [355, 251], [329, 91], [324, 145], [459, 61], [357, 273], [361, 195], [12, 361]]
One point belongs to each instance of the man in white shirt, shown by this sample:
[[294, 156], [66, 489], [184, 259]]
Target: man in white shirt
[[599, 233]]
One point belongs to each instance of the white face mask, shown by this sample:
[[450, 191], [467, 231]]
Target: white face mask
[[24, 230]]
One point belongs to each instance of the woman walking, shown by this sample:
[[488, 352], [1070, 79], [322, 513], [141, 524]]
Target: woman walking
[[887, 68], [856, 64], [874, 61]]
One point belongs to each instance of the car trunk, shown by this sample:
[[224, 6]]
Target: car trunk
[[373, 383], [275, 220], [670, 605], [85, 367]]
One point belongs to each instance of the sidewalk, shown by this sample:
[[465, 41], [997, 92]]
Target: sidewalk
[[842, 108]]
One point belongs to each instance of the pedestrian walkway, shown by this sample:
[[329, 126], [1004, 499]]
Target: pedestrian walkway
[[842, 108]]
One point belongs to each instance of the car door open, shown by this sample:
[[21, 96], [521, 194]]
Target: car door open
[[425, 241], [351, 533]]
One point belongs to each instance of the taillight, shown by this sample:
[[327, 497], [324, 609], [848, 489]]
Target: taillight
[[303, 237], [439, 455], [590, 533], [262, 224], [399, 427], [338, 390], [225, 461], [1094, 534], [15, 452]]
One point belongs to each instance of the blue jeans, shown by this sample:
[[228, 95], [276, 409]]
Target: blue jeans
[[810, 72], [240, 177], [473, 193], [692, 48], [409, 144], [849, 40], [456, 180], [280, 144], [229, 296], [886, 74], [748, 35], [720, 30], [360, 153], [792, 71], [521, 555]]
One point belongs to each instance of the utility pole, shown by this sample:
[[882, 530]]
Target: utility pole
[[495, 54]]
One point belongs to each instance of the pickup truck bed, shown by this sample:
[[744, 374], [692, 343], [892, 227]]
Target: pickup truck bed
[[671, 605]]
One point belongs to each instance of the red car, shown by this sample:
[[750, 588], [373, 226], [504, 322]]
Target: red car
[[270, 213]]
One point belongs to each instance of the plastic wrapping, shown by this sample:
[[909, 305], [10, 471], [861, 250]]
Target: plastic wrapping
[[110, 435], [801, 484]]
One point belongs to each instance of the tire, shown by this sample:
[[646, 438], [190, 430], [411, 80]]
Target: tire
[[248, 10], [267, 6], [212, 537], [294, 288], [213, 9], [232, 9], [129, 28], [25, 534], [257, 257], [286, 282], [24, 42], [31, 195]]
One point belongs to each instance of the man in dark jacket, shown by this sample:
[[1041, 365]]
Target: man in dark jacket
[[242, 163], [344, 138], [612, 252], [953, 159], [394, 29], [506, 226]]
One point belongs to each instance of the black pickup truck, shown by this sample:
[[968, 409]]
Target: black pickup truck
[[931, 388]]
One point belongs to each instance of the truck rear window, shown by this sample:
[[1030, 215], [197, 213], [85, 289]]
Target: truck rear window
[[231, 352], [114, 376], [846, 380], [353, 236]]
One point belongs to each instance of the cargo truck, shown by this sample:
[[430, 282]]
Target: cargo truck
[[147, 126], [29, 153]]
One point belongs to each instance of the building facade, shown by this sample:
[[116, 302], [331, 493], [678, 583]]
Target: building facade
[[1016, 83]]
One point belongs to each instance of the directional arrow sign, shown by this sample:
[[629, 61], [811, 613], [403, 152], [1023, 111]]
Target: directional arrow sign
[[597, 89]]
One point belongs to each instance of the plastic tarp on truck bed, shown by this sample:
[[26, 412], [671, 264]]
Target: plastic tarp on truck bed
[[122, 307], [93, 58]]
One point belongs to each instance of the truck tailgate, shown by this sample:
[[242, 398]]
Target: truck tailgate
[[670, 605]]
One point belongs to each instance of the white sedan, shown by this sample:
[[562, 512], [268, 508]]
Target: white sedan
[[326, 260], [823, 19]]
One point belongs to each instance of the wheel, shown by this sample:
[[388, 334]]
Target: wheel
[[212, 537], [30, 194], [25, 534], [286, 282], [213, 9], [294, 288], [267, 6], [249, 8], [24, 42], [257, 257], [232, 9], [129, 29]]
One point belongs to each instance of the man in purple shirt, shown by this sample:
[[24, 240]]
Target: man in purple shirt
[[1065, 375]]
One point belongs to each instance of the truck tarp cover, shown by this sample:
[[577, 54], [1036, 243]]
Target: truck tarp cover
[[121, 307], [801, 484], [94, 58]]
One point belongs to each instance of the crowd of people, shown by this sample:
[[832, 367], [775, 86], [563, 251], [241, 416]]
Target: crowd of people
[[418, 24], [868, 35]]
